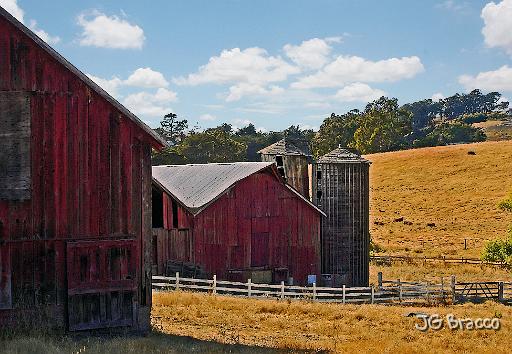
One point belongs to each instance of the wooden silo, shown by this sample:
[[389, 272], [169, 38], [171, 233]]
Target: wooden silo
[[292, 157], [340, 187]]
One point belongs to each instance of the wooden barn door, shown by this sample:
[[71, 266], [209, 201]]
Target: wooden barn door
[[101, 283], [260, 249]]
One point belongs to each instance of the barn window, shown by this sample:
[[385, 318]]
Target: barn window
[[157, 200], [279, 161], [319, 195], [174, 214], [15, 177], [318, 174]]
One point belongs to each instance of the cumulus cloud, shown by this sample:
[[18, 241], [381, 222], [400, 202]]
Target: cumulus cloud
[[43, 34], [147, 78], [12, 7], [349, 69], [438, 96], [496, 80], [497, 28], [110, 85], [207, 117], [358, 92], [310, 54], [151, 104], [251, 65], [15, 10], [236, 92], [100, 30]]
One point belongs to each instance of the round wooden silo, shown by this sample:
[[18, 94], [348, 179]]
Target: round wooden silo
[[341, 189]]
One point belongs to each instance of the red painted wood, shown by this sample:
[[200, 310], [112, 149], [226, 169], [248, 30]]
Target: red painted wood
[[259, 205], [87, 168]]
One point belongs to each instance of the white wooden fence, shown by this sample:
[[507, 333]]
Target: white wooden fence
[[387, 291]]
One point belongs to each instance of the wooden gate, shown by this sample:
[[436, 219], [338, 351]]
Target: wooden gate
[[101, 283], [479, 290]]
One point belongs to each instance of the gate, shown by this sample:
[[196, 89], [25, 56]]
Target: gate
[[479, 291], [101, 283]]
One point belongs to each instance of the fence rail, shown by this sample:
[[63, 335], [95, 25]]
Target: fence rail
[[387, 291], [445, 260]]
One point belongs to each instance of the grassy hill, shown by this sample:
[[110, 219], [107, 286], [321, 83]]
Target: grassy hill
[[454, 192]]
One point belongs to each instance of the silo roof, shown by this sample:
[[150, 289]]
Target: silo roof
[[288, 146], [342, 155]]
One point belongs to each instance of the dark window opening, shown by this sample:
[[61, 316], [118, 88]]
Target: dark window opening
[[154, 244], [279, 161], [318, 195], [318, 174], [174, 214], [281, 172], [158, 208]]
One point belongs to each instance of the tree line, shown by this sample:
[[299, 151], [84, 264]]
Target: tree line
[[383, 125]]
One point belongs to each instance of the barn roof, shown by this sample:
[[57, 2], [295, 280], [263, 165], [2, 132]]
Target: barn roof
[[287, 146], [342, 155], [59, 58], [197, 186]]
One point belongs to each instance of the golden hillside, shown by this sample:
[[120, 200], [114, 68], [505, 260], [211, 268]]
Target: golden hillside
[[445, 186]]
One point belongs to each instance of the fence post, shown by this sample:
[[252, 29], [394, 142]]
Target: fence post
[[373, 294], [282, 290], [379, 277], [343, 293], [314, 290], [500, 291], [399, 290], [177, 284], [249, 287], [214, 284], [453, 289]]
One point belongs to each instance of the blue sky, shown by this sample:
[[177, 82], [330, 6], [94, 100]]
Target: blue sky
[[276, 63]]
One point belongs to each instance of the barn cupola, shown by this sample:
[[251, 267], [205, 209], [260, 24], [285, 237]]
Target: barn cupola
[[340, 183]]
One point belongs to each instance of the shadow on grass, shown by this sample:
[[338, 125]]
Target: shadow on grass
[[155, 342]]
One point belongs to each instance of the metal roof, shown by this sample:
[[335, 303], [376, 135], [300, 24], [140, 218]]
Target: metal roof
[[287, 146], [197, 186], [342, 155], [52, 52]]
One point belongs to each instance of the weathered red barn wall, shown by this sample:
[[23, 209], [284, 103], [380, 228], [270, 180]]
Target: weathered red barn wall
[[222, 235], [90, 180]]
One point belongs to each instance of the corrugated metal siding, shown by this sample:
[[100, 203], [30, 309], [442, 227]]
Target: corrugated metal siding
[[222, 234], [90, 176]]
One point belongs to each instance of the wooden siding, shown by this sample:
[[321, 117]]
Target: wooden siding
[[296, 171], [341, 190], [90, 180], [257, 211]]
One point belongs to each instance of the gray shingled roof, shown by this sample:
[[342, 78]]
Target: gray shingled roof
[[287, 146], [342, 155], [197, 186], [53, 53]]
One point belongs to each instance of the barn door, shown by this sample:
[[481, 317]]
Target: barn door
[[101, 283], [260, 249], [5, 277]]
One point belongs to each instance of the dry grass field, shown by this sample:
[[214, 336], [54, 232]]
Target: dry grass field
[[496, 130], [453, 191], [325, 327]]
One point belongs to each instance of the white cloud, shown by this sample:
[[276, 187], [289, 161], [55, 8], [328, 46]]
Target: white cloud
[[43, 34], [497, 30], [110, 85], [147, 78], [347, 69], [497, 80], [236, 92], [310, 54], [251, 65], [148, 104], [452, 5], [207, 117], [358, 92], [12, 7], [438, 96], [100, 30]]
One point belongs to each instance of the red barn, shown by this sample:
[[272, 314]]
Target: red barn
[[75, 194], [235, 220]]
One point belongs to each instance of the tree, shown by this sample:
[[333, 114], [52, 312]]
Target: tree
[[451, 132], [335, 130], [172, 129], [212, 145], [383, 126], [423, 112]]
